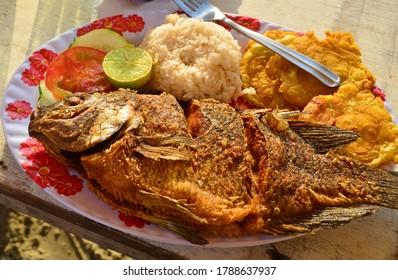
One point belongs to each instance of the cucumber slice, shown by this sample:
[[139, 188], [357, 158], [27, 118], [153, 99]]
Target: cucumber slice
[[102, 39], [46, 97]]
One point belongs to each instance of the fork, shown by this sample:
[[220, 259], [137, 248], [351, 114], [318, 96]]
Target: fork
[[206, 11]]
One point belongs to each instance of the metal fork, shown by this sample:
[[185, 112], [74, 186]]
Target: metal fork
[[205, 10]]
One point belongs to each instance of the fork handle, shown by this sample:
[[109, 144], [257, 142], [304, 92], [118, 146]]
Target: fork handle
[[318, 70]]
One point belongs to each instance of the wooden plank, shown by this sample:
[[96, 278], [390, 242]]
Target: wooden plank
[[81, 226]]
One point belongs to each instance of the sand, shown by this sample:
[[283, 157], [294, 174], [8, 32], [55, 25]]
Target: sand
[[25, 238]]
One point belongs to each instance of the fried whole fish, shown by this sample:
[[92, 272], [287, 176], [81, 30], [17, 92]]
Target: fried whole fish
[[208, 169]]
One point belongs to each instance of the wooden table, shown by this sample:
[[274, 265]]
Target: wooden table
[[25, 25]]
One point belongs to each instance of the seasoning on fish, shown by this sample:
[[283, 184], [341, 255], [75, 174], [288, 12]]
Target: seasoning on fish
[[208, 169]]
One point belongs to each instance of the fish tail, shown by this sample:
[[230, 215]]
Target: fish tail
[[373, 186], [387, 188], [328, 217], [382, 190], [187, 232]]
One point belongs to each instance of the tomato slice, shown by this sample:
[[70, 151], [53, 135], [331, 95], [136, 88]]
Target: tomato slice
[[77, 69]]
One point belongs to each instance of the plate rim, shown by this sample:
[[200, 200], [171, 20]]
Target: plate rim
[[169, 238]]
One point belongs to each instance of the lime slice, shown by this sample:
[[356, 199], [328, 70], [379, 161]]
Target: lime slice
[[128, 67]]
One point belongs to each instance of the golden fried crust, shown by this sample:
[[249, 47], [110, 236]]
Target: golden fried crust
[[339, 52], [211, 187], [256, 72], [292, 178], [280, 84], [364, 113], [219, 171]]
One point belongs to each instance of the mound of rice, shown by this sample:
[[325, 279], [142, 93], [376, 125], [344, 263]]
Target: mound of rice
[[194, 59]]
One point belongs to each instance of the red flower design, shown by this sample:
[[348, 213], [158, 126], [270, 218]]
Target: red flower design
[[85, 29], [248, 22], [31, 147], [40, 59], [70, 185], [219, 22], [45, 170], [378, 93], [116, 23], [132, 23], [132, 221], [135, 23], [179, 12], [32, 76], [19, 110]]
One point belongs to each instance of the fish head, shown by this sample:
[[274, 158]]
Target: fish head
[[80, 122]]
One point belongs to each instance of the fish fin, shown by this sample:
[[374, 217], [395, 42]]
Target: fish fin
[[283, 113], [323, 137], [329, 217], [186, 232], [395, 173], [167, 140], [164, 201], [382, 185], [387, 188], [169, 153], [155, 147], [384, 189]]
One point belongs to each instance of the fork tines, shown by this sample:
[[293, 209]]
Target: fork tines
[[192, 5]]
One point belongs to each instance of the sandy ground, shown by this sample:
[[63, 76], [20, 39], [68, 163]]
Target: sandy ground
[[26, 238]]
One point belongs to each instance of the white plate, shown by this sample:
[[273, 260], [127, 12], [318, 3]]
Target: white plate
[[20, 99]]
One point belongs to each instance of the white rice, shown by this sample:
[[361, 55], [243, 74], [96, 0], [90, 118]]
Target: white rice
[[194, 59]]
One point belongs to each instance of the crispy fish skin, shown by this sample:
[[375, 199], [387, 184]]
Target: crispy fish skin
[[189, 189], [298, 178], [213, 170], [294, 180]]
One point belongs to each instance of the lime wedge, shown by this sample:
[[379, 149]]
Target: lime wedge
[[128, 67]]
